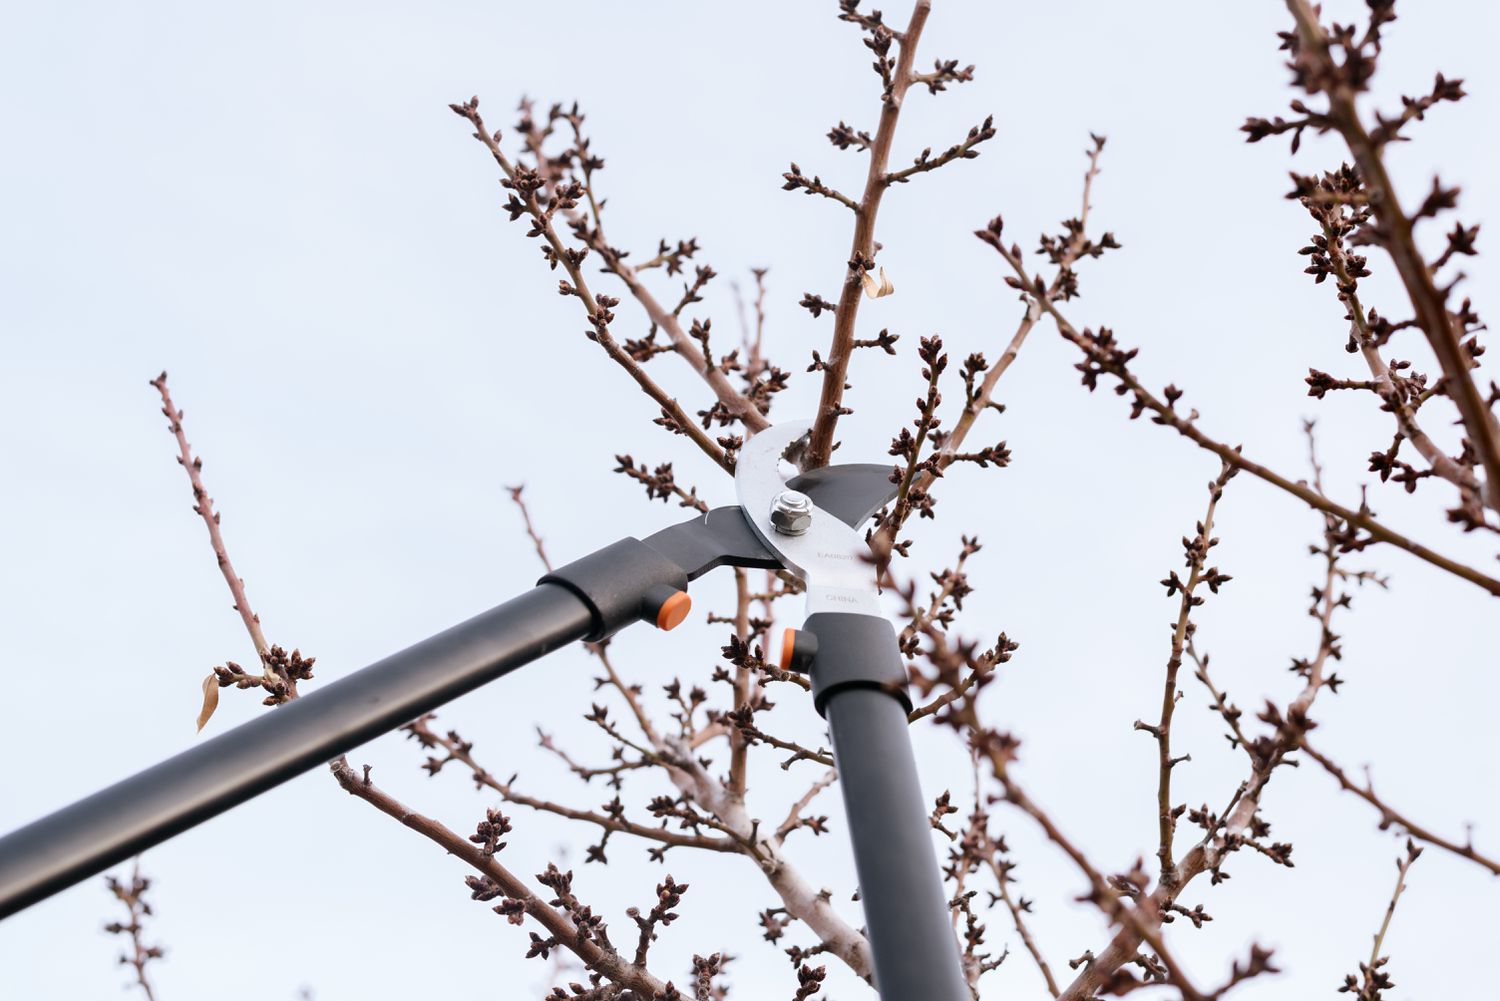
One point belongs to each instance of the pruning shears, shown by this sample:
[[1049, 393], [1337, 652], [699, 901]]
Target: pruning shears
[[808, 524]]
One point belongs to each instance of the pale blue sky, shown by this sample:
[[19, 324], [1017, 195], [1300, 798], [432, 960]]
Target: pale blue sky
[[273, 202]]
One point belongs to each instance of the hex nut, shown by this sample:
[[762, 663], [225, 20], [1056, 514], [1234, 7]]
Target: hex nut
[[791, 512]]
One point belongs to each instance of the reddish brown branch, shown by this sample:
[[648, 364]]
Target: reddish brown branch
[[735, 401], [1396, 235], [598, 313], [133, 895], [1001, 869], [794, 818], [744, 683], [1110, 359], [1196, 550], [1076, 246], [462, 752], [1226, 832], [1139, 920], [280, 671], [589, 951], [1383, 384], [589, 227], [531, 532], [862, 245], [1389, 815], [203, 506], [1373, 981]]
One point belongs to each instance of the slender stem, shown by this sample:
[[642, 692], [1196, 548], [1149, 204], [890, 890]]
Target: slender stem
[[568, 935], [862, 246], [543, 222], [949, 697], [794, 815], [738, 746], [1384, 386], [1141, 920], [531, 533], [1397, 237], [737, 403], [1221, 701], [132, 895], [1233, 455], [1390, 909], [1162, 731], [986, 395], [590, 228], [1003, 881], [1389, 815], [203, 506], [1235, 820]]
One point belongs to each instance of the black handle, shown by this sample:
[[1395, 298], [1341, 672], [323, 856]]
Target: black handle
[[859, 686], [93, 834], [590, 598]]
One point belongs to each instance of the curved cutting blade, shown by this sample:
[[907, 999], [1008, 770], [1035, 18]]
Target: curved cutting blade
[[850, 491], [831, 557]]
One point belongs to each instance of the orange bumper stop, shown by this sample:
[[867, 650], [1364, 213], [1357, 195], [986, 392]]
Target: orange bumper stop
[[673, 611]]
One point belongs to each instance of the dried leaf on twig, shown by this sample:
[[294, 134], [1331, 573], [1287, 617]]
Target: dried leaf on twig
[[210, 700], [877, 289]]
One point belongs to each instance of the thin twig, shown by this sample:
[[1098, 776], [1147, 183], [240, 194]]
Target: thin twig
[[1003, 879], [140, 955], [1112, 362], [1389, 815], [568, 935], [1396, 229], [203, 506], [1197, 549], [599, 314], [862, 245]]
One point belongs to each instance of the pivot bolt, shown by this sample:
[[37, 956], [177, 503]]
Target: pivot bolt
[[791, 512]]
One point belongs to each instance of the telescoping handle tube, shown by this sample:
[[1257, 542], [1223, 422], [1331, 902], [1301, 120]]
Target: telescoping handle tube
[[93, 834], [859, 685], [589, 599]]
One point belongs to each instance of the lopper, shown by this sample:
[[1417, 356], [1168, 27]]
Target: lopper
[[809, 526]]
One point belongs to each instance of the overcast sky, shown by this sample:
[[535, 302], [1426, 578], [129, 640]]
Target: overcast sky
[[273, 202]]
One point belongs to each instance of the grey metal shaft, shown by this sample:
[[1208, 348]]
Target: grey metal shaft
[[109, 826], [906, 911]]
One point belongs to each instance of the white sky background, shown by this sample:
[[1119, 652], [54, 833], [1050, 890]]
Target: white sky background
[[274, 203]]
